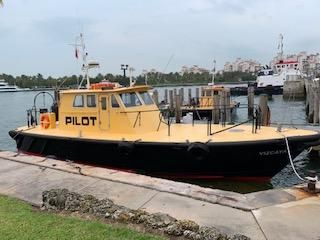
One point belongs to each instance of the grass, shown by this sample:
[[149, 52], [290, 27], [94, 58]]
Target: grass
[[18, 220]]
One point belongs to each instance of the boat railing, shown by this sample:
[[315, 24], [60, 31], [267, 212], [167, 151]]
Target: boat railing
[[35, 111], [255, 119]]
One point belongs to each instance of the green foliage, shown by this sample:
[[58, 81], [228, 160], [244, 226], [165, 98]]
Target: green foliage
[[19, 221], [153, 78]]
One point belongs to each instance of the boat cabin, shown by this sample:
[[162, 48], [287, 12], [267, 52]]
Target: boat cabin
[[111, 109], [207, 95]]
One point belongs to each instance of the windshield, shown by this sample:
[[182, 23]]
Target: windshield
[[130, 99], [146, 98]]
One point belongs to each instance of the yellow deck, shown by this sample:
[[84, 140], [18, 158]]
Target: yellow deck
[[179, 133]]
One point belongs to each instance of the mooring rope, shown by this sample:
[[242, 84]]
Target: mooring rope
[[308, 178], [291, 160]]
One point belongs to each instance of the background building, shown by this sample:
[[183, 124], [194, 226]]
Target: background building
[[193, 69], [307, 63], [241, 65]]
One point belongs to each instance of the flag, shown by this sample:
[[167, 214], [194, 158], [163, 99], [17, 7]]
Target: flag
[[76, 53]]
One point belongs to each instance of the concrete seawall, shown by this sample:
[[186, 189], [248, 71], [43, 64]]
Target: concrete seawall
[[274, 214]]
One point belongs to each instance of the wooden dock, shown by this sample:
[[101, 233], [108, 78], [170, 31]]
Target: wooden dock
[[313, 100]]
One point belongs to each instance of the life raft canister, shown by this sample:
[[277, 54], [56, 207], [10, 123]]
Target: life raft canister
[[102, 85], [198, 151], [47, 120]]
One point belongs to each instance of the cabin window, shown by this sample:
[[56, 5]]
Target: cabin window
[[114, 102], [130, 99], [91, 101], [146, 98], [78, 101]]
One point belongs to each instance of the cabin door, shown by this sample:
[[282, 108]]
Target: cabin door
[[104, 110]]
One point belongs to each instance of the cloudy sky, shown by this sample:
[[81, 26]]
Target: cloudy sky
[[161, 34]]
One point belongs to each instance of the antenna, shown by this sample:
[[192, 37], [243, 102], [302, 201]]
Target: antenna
[[165, 68], [213, 72], [280, 47], [86, 65]]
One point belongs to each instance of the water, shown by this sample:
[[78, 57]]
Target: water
[[13, 108]]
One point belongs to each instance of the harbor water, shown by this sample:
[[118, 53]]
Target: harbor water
[[13, 113]]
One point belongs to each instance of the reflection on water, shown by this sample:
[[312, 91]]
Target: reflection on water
[[13, 113]]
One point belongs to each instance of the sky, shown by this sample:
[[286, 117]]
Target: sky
[[36, 35]]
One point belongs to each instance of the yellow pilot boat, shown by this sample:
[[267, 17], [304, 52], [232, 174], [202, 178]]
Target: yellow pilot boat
[[122, 128]]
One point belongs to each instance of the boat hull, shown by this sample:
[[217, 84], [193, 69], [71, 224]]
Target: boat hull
[[251, 159]]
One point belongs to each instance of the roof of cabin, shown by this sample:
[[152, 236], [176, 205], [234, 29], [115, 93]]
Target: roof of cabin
[[116, 90]]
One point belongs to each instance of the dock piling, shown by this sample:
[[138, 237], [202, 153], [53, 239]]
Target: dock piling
[[197, 94], [189, 96], [225, 104], [166, 96], [216, 108], [178, 108], [264, 110], [156, 97], [313, 101], [250, 101], [171, 100], [181, 93]]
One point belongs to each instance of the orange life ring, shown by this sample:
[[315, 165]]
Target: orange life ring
[[45, 121]]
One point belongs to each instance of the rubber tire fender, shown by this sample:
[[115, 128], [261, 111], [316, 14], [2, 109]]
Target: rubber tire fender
[[199, 151], [125, 148]]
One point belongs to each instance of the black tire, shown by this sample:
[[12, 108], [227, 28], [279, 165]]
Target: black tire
[[198, 151], [125, 149]]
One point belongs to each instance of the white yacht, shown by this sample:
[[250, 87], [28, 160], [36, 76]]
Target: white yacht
[[5, 87], [284, 71], [273, 79]]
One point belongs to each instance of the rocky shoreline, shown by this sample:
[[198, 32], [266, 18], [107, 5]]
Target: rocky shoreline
[[63, 200]]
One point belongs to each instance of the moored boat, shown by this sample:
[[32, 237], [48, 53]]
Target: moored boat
[[122, 128], [213, 97], [5, 87], [271, 80]]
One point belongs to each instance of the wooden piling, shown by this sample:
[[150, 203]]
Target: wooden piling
[[181, 93], [189, 96], [216, 109], [316, 105], [156, 97], [264, 110], [250, 101], [171, 99], [174, 92], [226, 102], [165, 96], [178, 108], [312, 101], [197, 95]]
